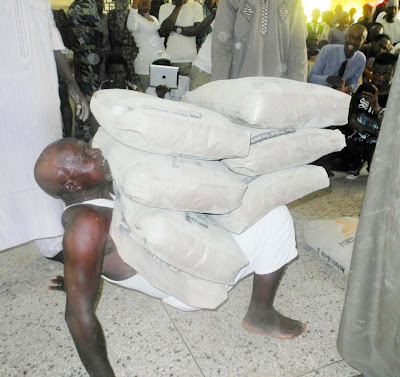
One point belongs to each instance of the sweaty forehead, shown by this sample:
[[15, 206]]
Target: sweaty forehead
[[382, 68]]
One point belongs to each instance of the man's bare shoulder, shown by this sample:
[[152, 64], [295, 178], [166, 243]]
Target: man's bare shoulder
[[84, 215]]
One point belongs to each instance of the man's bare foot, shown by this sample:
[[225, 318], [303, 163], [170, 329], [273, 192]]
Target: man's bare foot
[[273, 324]]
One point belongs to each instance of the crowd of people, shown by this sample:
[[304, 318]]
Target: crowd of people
[[341, 52], [357, 58], [134, 35]]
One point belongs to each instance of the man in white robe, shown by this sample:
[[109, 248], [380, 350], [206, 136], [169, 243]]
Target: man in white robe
[[259, 38], [30, 120]]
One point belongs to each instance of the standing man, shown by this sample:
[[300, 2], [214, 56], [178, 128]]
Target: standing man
[[391, 24], [259, 38], [85, 16], [368, 16], [121, 39], [326, 23], [340, 67], [31, 118], [179, 22], [314, 27]]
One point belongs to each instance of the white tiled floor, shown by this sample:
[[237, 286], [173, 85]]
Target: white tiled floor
[[146, 338]]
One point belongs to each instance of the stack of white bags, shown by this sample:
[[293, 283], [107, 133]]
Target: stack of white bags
[[189, 173]]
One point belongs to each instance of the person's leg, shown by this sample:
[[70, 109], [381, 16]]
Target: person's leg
[[198, 78], [144, 81], [184, 68], [65, 107], [261, 317]]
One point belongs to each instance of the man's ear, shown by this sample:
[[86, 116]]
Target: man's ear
[[72, 186]]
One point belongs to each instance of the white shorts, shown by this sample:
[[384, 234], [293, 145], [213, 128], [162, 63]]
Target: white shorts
[[268, 245]]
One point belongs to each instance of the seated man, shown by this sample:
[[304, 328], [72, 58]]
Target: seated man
[[117, 73], [366, 114], [379, 45], [375, 29], [162, 91], [341, 67], [70, 170]]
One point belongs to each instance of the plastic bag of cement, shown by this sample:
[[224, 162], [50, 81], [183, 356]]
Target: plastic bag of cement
[[170, 182], [191, 242], [273, 103], [281, 149], [269, 191], [333, 240], [156, 125], [187, 288]]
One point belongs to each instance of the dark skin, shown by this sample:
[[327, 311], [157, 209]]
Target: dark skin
[[391, 13], [355, 38], [75, 172], [197, 30], [382, 75], [89, 250], [82, 105]]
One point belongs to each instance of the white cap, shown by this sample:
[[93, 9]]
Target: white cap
[[392, 3], [161, 55]]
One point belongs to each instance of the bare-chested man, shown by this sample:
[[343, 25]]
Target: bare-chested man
[[79, 175]]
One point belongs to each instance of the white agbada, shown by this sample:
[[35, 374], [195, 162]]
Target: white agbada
[[30, 119]]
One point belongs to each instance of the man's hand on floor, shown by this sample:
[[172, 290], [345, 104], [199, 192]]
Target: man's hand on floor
[[58, 284]]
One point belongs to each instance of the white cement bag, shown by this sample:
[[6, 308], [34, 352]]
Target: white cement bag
[[187, 288], [191, 242], [273, 103], [269, 191], [156, 125], [281, 149], [333, 240], [170, 182]]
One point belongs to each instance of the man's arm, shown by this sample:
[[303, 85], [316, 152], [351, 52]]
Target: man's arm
[[198, 29], [359, 61], [132, 23], [84, 243], [200, 25], [356, 125], [222, 39], [168, 24], [317, 71], [82, 105], [297, 60]]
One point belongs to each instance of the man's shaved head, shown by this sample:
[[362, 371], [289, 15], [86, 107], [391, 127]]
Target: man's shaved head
[[50, 174], [69, 165]]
